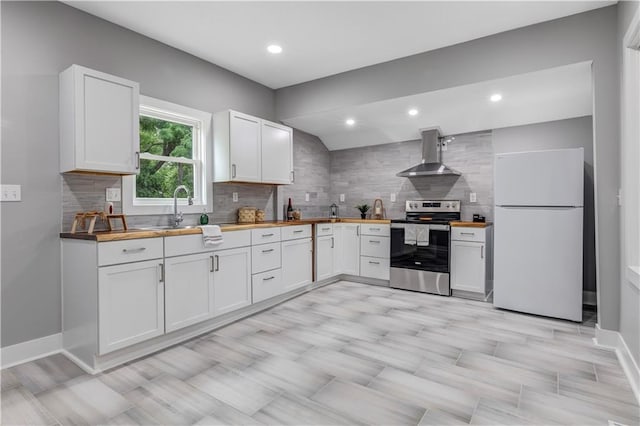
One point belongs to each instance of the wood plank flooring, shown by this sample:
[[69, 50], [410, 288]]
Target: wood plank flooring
[[345, 354]]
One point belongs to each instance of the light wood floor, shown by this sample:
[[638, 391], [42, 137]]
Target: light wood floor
[[345, 354]]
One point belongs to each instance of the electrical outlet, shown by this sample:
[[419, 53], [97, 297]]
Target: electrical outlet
[[235, 197], [472, 197], [342, 198], [113, 194], [11, 193], [393, 197], [443, 147], [306, 196]]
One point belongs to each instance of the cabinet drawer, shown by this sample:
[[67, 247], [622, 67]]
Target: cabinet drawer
[[295, 232], [265, 257], [374, 246], [324, 229], [190, 244], [113, 252], [266, 285], [459, 233], [374, 267], [375, 229], [265, 235]]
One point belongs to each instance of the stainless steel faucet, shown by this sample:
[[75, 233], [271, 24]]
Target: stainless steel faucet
[[177, 217]]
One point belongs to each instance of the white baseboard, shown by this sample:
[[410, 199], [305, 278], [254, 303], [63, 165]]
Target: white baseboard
[[613, 339], [30, 350]]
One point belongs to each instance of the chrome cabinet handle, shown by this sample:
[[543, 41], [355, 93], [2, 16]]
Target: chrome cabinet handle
[[268, 279], [217, 268], [375, 241], [133, 250], [267, 251], [331, 242], [481, 252], [467, 233], [374, 229], [267, 235], [358, 230], [374, 263], [326, 229], [298, 231], [213, 261], [137, 160], [293, 176], [161, 265], [233, 171]]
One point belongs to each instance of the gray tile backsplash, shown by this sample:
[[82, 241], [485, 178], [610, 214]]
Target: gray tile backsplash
[[81, 193], [364, 174]]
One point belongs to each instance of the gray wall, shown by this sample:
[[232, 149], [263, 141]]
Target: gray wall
[[629, 294], [40, 39], [363, 174], [574, 133], [587, 36]]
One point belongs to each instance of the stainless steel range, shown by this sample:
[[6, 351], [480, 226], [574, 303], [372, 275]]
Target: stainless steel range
[[420, 246]]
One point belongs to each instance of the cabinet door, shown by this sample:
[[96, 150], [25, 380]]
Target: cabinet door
[[296, 263], [106, 122], [244, 134], [277, 153], [231, 279], [188, 290], [468, 266], [324, 257], [349, 249], [130, 304]]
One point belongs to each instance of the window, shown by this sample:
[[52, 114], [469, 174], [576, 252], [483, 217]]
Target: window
[[175, 150]]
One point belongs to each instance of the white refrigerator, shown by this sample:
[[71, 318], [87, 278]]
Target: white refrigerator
[[538, 232]]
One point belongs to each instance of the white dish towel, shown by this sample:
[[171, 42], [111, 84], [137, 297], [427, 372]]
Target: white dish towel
[[422, 235], [211, 235], [410, 234]]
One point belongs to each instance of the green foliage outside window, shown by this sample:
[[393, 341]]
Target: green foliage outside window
[[157, 178]]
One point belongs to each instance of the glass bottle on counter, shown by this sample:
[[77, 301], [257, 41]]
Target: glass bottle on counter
[[290, 211]]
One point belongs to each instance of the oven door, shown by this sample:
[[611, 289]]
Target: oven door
[[406, 253]]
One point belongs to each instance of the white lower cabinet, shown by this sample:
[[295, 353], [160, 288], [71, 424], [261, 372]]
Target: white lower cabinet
[[471, 261], [296, 264], [130, 304], [324, 257], [374, 267], [266, 285], [189, 290], [347, 249], [231, 279]]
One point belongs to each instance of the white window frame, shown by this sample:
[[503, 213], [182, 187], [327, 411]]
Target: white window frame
[[201, 159]]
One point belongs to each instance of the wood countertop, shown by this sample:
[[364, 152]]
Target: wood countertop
[[149, 232], [463, 224]]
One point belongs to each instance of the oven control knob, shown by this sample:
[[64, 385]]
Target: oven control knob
[[448, 205]]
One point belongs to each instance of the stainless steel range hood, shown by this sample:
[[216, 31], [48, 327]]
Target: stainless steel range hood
[[431, 164]]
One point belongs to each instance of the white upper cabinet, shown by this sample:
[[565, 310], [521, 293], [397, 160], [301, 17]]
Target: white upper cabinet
[[250, 149], [277, 153], [99, 122]]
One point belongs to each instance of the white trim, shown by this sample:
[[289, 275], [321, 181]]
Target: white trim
[[614, 340], [79, 362], [185, 115], [31, 350]]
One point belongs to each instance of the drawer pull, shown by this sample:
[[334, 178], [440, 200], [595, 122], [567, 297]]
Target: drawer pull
[[217, 268], [267, 251], [374, 229], [375, 241], [133, 250], [298, 231], [374, 263], [326, 229], [161, 265], [268, 279], [467, 233], [213, 266], [267, 235]]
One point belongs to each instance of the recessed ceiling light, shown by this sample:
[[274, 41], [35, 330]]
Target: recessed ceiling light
[[274, 48], [496, 97], [350, 121], [413, 111]]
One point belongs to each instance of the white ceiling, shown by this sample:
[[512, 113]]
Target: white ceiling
[[320, 38], [552, 94]]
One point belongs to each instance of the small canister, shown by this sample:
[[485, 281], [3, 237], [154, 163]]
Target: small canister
[[259, 216], [247, 215]]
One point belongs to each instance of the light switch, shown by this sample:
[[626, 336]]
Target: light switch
[[472, 197], [113, 194], [11, 193], [235, 197], [342, 198], [306, 196], [393, 197]]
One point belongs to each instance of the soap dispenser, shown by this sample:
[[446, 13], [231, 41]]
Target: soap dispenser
[[204, 218]]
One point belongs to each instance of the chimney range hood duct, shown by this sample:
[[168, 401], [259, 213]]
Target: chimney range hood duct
[[431, 164]]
